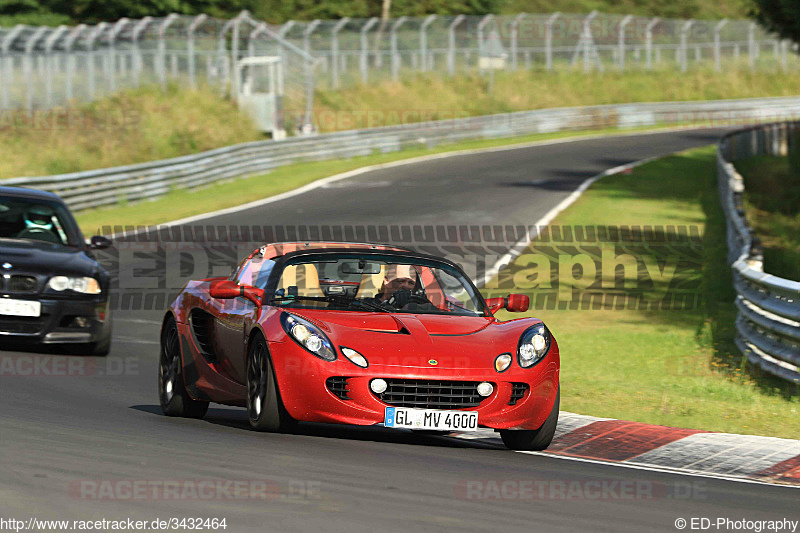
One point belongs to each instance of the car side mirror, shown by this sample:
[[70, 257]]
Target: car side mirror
[[98, 242], [227, 290], [514, 303]]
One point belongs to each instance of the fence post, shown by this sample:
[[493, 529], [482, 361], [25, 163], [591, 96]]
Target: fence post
[[7, 66], [451, 44], [751, 44], [481, 25], [93, 36], [48, 48], [423, 42], [621, 41], [138, 63], [393, 44], [69, 42], [335, 50], [648, 44], [199, 19], [363, 58], [515, 39], [717, 45], [548, 40], [307, 31], [685, 44], [162, 60]]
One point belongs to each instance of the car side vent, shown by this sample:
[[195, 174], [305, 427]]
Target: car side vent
[[201, 324], [518, 391]]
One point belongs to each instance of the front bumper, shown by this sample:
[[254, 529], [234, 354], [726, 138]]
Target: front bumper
[[57, 325], [302, 382]]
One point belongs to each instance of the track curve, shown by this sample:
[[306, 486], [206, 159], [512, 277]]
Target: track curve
[[61, 433]]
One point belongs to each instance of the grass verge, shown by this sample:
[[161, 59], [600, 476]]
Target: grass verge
[[670, 367], [772, 204]]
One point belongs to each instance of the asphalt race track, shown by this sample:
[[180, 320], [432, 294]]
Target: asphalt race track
[[77, 433]]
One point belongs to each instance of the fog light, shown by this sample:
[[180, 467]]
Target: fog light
[[80, 322], [485, 389], [355, 357], [379, 385]]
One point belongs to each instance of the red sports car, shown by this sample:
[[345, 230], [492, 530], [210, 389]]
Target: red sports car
[[359, 334]]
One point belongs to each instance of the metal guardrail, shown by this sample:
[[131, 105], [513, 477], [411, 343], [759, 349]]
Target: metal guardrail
[[110, 186], [768, 324]]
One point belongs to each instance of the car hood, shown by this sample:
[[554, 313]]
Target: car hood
[[419, 340], [45, 258]]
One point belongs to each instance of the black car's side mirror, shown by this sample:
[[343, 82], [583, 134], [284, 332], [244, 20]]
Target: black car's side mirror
[[98, 242]]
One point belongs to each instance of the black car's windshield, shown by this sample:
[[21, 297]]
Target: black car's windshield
[[36, 220], [376, 283]]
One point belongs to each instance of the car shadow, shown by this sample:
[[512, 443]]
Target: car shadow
[[14, 348], [236, 418]]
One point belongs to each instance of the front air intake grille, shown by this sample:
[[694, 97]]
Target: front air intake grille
[[338, 386], [22, 284], [429, 394], [518, 390], [21, 325]]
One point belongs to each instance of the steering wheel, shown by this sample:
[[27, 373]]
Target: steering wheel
[[38, 234]]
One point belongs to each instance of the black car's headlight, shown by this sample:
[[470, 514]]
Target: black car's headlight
[[533, 345], [308, 336], [83, 285]]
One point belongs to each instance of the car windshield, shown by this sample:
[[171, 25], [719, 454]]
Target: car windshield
[[35, 220], [376, 283]]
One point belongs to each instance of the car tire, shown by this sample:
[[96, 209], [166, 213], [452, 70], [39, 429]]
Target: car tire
[[537, 439], [172, 393], [265, 409]]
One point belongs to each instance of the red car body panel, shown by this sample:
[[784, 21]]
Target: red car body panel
[[396, 345]]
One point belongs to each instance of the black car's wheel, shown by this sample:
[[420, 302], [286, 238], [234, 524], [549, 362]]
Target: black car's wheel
[[172, 394], [537, 439], [264, 407]]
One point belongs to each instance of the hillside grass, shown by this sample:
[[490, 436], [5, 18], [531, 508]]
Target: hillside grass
[[772, 205], [675, 367], [144, 124], [433, 96]]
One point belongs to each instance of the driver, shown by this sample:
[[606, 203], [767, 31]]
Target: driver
[[39, 217], [398, 290]]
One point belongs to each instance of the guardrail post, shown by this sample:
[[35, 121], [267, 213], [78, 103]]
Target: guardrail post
[[393, 43], [335, 65], [451, 44], [423, 42], [621, 41], [363, 58], [199, 19], [648, 44], [548, 40], [718, 45], [515, 39]]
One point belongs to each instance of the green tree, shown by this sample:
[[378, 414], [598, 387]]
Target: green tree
[[780, 16]]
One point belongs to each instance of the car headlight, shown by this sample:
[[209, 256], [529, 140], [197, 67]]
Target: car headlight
[[533, 345], [308, 336], [82, 285]]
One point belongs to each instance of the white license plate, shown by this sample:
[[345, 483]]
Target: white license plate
[[20, 307], [402, 417]]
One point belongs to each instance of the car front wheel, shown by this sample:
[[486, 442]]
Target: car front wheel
[[537, 439], [264, 407]]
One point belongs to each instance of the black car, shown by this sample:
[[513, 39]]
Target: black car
[[52, 289]]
